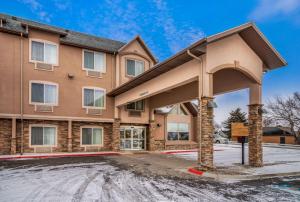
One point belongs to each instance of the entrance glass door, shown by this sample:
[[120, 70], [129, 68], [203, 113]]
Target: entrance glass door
[[132, 138]]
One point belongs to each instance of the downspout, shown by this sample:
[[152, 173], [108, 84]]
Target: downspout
[[199, 104], [21, 92]]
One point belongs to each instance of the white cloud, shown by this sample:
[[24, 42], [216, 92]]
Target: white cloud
[[271, 8], [37, 8], [176, 38]]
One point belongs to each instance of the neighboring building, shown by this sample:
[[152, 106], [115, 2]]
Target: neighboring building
[[65, 91], [279, 135]]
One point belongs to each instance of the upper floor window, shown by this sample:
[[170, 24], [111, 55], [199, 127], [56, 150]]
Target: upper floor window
[[43, 93], [94, 61], [136, 106], [42, 135], [178, 131], [93, 97], [44, 52], [134, 67]]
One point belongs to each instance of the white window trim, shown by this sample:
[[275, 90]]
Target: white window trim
[[93, 88], [43, 41], [43, 125], [44, 82], [86, 69], [92, 145], [128, 75], [189, 131]]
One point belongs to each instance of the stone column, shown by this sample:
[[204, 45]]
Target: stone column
[[152, 126], [70, 136], [116, 135], [255, 135], [13, 142], [205, 134]]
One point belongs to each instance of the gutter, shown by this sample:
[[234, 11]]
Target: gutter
[[199, 104], [21, 92]]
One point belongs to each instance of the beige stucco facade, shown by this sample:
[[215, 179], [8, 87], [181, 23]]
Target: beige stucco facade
[[225, 62]]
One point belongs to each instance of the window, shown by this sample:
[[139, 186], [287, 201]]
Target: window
[[43, 93], [94, 61], [178, 131], [136, 106], [134, 67], [93, 97], [43, 135], [91, 136], [44, 52]]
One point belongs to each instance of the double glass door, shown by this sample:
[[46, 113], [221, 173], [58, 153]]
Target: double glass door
[[132, 138]]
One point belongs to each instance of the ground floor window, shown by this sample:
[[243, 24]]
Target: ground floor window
[[92, 136], [178, 131], [43, 135]]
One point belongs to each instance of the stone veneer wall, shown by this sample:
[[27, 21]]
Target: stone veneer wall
[[255, 135], [181, 146], [107, 138], [62, 135], [206, 133], [5, 136]]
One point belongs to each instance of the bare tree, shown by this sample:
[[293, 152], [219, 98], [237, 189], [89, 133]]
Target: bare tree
[[286, 112]]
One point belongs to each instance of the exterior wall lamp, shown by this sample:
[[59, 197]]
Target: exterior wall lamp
[[212, 104]]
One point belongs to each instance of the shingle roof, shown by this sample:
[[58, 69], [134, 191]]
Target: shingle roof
[[270, 131], [18, 25]]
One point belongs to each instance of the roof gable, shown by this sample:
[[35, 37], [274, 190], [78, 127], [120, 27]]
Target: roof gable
[[142, 44]]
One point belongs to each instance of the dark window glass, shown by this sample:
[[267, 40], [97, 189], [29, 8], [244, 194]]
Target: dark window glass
[[130, 67], [140, 105], [183, 136], [172, 136], [37, 136], [88, 97], [37, 51], [131, 106], [88, 60], [87, 135], [37, 92]]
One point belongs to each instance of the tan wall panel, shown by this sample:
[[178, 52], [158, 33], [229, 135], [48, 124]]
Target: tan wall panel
[[9, 73]]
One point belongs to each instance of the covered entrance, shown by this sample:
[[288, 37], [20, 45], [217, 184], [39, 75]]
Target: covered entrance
[[229, 61], [132, 138]]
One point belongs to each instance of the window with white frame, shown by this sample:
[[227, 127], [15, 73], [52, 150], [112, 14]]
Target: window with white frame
[[94, 61], [43, 135], [44, 52], [178, 131], [136, 106], [43, 93], [93, 98], [91, 136], [134, 67]]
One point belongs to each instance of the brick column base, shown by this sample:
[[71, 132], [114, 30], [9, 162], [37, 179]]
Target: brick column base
[[116, 135], [255, 135], [205, 134], [150, 134]]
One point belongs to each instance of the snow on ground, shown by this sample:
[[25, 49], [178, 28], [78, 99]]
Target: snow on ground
[[90, 182], [276, 159]]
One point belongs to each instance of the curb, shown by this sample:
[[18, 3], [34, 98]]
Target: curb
[[59, 156], [185, 151], [195, 171]]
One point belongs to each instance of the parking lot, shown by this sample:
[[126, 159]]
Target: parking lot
[[130, 177]]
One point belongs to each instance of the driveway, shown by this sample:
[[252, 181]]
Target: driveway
[[132, 177]]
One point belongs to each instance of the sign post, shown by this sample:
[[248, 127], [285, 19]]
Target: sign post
[[240, 131]]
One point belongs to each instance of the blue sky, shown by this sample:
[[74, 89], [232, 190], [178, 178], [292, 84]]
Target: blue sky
[[168, 26]]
